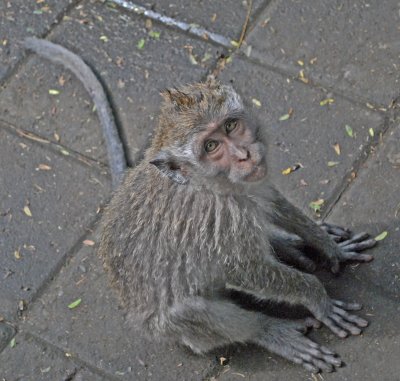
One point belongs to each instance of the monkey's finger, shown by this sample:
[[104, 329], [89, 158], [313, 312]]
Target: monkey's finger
[[353, 256], [334, 328], [356, 238], [305, 343], [358, 246], [327, 351], [311, 368], [351, 318], [336, 238], [347, 306], [354, 330], [336, 230], [335, 360], [317, 357], [315, 361]]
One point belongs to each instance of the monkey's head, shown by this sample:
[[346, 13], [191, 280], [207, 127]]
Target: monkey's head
[[205, 135]]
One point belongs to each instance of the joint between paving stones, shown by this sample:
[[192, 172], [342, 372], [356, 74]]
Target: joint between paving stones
[[169, 22], [260, 12], [76, 360], [56, 148], [63, 260], [351, 98], [363, 158]]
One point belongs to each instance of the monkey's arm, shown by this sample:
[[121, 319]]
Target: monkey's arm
[[280, 283], [291, 219]]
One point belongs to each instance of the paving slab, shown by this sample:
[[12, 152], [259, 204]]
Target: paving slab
[[47, 202], [225, 17], [134, 77], [19, 18], [309, 135], [373, 204], [352, 46], [96, 331], [38, 361]]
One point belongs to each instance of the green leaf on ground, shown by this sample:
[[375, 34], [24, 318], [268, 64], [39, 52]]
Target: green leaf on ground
[[154, 34], [349, 130], [381, 236], [75, 304], [316, 205]]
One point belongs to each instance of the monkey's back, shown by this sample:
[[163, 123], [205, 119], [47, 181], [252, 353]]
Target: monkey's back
[[157, 235]]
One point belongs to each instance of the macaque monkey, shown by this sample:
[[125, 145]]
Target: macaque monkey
[[199, 217]]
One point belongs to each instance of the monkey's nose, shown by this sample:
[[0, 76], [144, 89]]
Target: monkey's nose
[[240, 153], [247, 156]]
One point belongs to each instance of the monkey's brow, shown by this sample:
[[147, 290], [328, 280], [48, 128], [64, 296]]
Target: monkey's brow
[[239, 114]]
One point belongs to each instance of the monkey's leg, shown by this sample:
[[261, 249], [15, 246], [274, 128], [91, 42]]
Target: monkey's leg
[[204, 324], [290, 218], [280, 283]]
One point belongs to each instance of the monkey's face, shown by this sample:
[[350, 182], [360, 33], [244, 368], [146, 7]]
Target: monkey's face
[[230, 148], [204, 137]]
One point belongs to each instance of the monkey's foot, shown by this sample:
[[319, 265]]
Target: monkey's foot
[[349, 248], [289, 342], [342, 323]]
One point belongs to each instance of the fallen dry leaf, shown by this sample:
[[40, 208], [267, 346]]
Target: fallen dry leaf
[[333, 163], [43, 167], [336, 147], [27, 211], [17, 254], [326, 101]]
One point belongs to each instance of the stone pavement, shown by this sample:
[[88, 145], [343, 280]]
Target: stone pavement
[[322, 76]]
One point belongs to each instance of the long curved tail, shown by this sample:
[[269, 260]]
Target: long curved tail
[[60, 55]]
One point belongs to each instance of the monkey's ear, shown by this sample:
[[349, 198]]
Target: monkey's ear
[[170, 167]]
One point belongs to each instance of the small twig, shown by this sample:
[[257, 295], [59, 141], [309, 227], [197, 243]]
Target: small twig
[[246, 23], [58, 147]]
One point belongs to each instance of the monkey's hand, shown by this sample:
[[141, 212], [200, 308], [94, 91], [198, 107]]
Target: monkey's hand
[[335, 316], [287, 340], [349, 245]]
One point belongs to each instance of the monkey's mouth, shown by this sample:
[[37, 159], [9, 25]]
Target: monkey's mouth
[[258, 172]]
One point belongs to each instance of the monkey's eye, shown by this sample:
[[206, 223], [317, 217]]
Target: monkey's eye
[[210, 145], [230, 125]]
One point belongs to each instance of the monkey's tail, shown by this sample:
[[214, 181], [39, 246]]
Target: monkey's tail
[[60, 55]]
